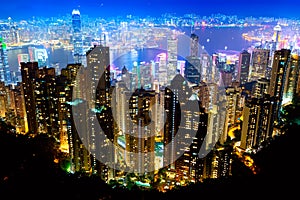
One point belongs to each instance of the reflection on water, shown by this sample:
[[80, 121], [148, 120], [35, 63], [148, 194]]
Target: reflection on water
[[211, 39]]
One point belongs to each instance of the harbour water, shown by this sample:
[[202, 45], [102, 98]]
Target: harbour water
[[210, 39]]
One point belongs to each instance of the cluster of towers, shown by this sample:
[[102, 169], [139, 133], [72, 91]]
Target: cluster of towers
[[158, 116]]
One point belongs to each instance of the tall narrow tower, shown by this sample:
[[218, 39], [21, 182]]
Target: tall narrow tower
[[192, 71], [79, 56], [194, 45], [5, 75], [280, 65], [172, 57], [277, 30]]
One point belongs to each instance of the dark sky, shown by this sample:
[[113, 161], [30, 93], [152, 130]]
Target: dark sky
[[24, 9]]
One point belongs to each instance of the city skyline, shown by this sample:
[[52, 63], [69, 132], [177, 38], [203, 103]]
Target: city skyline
[[205, 107], [153, 8]]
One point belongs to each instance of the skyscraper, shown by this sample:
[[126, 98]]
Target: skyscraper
[[259, 63], [40, 98], [29, 74], [99, 91], [172, 57], [257, 122], [192, 71], [140, 140], [243, 67], [277, 30], [5, 74], [292, 79], [281, 61], [79, 55], [194, 45]]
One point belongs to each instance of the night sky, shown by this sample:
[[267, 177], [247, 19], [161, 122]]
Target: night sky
[[24, 9]]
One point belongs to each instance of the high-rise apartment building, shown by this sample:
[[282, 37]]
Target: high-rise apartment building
[[291, 80], [257, 122], [29, 73], [281, 63], [39, 89]]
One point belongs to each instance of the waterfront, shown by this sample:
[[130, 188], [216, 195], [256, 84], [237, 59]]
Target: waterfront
[[211, 39]]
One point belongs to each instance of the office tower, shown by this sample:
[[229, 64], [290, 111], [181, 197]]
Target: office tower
[[79, 55], [180, 66], [192, 71], [259, 63], [161, 69], [172, 57], [257, 122], [23, 57], [207, 73], [243, 67], [194, 45], [5, 75], [281, 62], [145, 75], [276, 37]]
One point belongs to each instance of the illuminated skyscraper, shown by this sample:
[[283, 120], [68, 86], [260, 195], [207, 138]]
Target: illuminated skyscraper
[[233, 110], [292, 79], [70, 139], [141, 139], [79, 55], [257, 122], [172, 57], [12, 107], [192, 71], [5, 74], [243, 67], [194, 45], [99, 91], [281, 62], [277, 30], [261, 88], [40, 98], [207, 73], [184, 131], [161, 70], [259, 63], [29, 74]]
